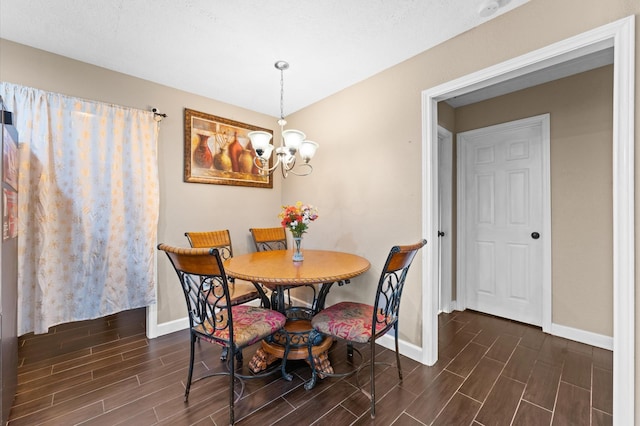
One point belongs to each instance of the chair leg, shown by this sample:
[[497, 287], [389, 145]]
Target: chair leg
[[190, 375], [399, 367], [232, 396], [372, 378]]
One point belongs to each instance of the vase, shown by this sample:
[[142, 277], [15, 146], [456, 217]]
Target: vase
[[245, 161], [235, 149], [202, 156], [297, 249]]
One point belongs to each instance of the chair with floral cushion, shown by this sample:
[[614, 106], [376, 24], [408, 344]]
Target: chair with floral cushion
[[364, 323], [212, 316], [241, 291]]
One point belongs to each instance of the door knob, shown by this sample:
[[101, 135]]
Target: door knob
[[440, 234], [535, 235]]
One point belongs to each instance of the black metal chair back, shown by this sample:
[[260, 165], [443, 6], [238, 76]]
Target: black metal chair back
[[212, 315], [390, 287], [266, 239], [362, 323], [206, 290]]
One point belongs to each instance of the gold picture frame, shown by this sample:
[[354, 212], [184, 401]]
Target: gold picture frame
[[218, 151]]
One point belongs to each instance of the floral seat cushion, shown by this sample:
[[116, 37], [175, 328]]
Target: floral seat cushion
[[347, 320], [250, 324]]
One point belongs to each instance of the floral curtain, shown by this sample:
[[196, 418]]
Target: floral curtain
[[87, 207]]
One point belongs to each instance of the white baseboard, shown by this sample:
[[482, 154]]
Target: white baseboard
[[154, 329], [587, 337], [172, 326], [407, 349]]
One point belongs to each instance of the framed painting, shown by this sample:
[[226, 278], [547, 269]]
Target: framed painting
[[218, 151]]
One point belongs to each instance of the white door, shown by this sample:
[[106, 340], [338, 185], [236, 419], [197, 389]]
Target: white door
[[445, 139], [503, 191]]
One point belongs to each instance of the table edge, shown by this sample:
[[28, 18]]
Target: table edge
[[300, 281]]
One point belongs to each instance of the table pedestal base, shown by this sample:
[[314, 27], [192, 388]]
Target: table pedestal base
[[298, 330]]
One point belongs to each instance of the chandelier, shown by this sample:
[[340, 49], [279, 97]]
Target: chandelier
[[292, 143]]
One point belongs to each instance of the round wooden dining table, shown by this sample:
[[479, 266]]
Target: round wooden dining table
[[277, 271]]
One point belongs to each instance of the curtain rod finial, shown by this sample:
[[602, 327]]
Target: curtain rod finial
[[157, 115]]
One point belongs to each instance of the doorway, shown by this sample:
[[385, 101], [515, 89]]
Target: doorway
[[504, 220], [620, 36]]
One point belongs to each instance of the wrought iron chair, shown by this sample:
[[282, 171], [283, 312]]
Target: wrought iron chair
[[269, 238], [363, 323], [241, 291], [213, 317]]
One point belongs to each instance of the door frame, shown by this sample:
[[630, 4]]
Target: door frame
[[621, 36], [546, 300], [445, 166]]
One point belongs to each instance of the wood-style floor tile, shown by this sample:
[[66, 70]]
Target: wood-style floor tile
[[338, 416], [533, 338], [577, 370], [428, 405], [520, 364], [503, 347], [388, 408], [460, 410], [481, 380], [490, 371], [572, 407], [457, 344], [406, 420], [598, 418], [602, 398], [553, 350], [531, 415], [467, 359], [502, 402], [603, 358], [542, 385]]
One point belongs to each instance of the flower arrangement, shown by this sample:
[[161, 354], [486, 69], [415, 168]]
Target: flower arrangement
[[298, 217]]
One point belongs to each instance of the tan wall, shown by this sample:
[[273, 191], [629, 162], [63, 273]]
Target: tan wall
[[371, 132], [581, 188], [183, 206]]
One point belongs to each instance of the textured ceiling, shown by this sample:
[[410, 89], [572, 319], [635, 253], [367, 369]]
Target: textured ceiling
[[225, 50]]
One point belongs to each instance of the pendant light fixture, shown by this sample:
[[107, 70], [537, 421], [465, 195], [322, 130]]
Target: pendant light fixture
[[292, 143]]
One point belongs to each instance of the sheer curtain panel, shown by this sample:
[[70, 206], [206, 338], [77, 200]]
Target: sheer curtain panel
[[87, 209]]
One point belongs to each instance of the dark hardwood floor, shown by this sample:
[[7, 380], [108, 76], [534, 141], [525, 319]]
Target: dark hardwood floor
[[490, 372]]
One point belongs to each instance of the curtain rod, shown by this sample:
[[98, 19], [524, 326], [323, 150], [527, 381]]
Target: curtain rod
[[158, 116]]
